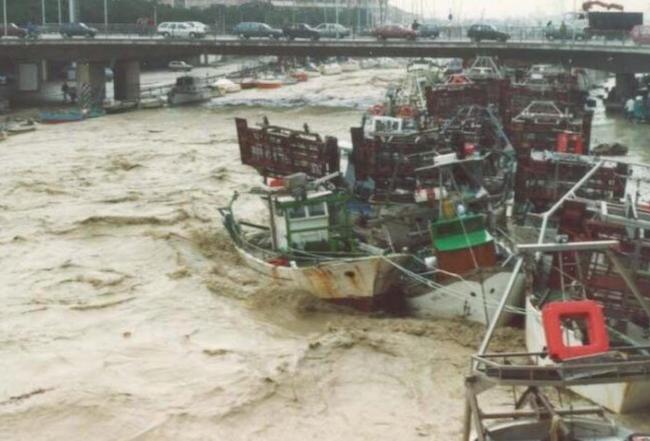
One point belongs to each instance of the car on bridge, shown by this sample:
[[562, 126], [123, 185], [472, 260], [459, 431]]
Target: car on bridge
[[182, 29], [565, 33], [394, 31], [428, 30], [13, 30], [478, 32], [333, 30], [69, 30], [301, 30], [251, 29]]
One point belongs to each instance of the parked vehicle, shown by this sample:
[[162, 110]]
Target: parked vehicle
[[250, 29], [172, 29], [640, 34], [69, 30], [301, 30], [565, 33], [478, 32], [179, 66], [394, 31], [13, 31], [428, 30], [332, 30]]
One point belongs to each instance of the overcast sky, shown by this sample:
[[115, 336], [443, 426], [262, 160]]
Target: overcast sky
[[502, 8]]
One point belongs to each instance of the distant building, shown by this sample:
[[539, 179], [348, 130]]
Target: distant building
[[378, 10]]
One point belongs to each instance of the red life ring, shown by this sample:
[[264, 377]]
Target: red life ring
[[590, 312], [378, 110]]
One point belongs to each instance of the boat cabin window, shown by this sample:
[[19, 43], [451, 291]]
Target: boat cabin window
[[317, 210], [297, 212], [386, 124]]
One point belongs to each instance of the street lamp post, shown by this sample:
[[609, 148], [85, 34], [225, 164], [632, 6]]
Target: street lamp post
[[60, 16], [43, 10], [4, 10], [105, 15]]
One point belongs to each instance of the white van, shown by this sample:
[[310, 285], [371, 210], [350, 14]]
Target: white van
[[182, 29]]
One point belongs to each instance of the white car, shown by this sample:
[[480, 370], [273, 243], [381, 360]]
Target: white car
[[182, 29], [180, 66]]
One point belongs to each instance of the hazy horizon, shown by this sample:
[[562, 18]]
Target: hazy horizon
[[466, 9]]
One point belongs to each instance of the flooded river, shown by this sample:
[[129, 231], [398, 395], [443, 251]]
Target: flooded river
[[126, 315]]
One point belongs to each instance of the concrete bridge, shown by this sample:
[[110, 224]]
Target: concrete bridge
[[617, 57], [126, 52]]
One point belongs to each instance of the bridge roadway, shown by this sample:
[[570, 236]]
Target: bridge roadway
[[617, 57]]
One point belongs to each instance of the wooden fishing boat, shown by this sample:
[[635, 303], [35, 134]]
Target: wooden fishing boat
[[248, 83], [269, 83], [58, 117], [309, 244], [300, 75], [20, 127], [189, 90]]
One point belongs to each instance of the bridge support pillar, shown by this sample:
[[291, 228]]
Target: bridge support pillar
[[91, 84], [626, 85], [126, 80]]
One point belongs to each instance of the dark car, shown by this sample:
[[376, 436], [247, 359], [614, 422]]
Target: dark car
[[332, 30], [250, 29], [480, 32], [394, 31], [301, 30], [77, 30], [428, 30], [13, 31]]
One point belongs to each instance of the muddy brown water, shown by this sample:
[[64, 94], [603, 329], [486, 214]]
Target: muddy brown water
[[126, 315]]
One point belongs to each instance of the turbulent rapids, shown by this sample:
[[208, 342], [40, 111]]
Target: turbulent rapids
[[128, 315]]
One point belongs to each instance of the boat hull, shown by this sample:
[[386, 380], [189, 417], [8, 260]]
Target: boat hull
[[617, 397], [181, 98], [356, 281], [464, 298]]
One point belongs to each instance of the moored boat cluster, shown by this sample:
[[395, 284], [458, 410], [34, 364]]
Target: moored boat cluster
[[471, 193]]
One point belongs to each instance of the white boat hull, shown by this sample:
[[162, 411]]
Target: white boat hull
[[357, 279], [465, 299], [180, 98], [616, 397]]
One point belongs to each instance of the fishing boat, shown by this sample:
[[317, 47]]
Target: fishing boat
[[533, 414], [350, 66], [300, 75], [269, 83], [190, 89], [226, 86], [20, 127], [120, 106], [309, 244], [248, 83], [58, 117], [331, 69], [154, 102], [614, 275], [581, 359]]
